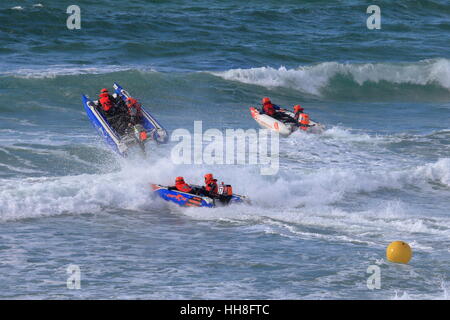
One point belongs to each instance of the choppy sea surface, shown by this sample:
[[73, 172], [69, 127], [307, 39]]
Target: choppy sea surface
[[380, 172]]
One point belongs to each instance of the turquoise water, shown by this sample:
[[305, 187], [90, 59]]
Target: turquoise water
[[379, 173]]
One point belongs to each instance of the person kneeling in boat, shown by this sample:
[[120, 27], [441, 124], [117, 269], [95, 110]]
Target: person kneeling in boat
[[298, 110], [107, 102], [134, 111], [273, 110], [301, 118], [182, 186], [211, 188], [112, 110], [269, 108]]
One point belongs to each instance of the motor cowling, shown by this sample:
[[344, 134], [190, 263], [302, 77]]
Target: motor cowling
[[225, 190]]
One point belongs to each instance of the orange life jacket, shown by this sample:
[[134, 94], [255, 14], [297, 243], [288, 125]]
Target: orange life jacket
[[304, 121], [211, 186], [183, 187], [269, 109], [134, 107]]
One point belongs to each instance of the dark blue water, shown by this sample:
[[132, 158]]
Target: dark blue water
[[379, 173]]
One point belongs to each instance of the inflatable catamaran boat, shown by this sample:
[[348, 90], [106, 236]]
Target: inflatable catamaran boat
[[138, 135]]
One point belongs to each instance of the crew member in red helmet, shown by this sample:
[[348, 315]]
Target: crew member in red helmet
[[211, 186], [107, 102], [298, 110], [272, 109], [134, 111]]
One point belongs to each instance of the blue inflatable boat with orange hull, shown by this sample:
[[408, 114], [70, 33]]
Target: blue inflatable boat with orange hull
[[198, 198]]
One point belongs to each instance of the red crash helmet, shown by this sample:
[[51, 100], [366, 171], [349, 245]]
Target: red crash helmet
[[265, 100], [298, 108]]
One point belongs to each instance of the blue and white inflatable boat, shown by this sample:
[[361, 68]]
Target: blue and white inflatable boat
[[184, 199], [149, 129]]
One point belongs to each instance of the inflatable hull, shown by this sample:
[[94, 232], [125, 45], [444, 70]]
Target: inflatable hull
[[184, 199], [273, 124]]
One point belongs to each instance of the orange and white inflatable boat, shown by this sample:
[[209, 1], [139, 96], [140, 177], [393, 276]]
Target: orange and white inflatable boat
[[288, 125]]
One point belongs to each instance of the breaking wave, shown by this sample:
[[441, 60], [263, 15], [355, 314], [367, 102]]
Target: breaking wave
[[426, 80], [333, 78]]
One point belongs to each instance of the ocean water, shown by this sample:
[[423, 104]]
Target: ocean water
[[380, 172]]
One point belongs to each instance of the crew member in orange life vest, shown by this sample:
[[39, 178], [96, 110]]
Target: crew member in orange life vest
[[107, 102], [275, 111], [271, 109], [134, 111], [182, 186], [301, 117], [115, 111], [211, 186], [297, 111], [110, 109]]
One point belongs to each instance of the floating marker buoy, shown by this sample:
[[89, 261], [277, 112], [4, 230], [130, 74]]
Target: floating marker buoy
[[398, 252]]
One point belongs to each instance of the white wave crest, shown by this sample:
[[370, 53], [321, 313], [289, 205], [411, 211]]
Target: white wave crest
[[437, 172], [67, 70], [37, 197], [311, 79]]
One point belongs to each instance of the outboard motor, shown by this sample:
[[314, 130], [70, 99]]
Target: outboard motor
[[140, 134], [225, 192]]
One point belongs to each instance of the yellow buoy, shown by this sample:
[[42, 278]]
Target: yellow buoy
[[399, 252]]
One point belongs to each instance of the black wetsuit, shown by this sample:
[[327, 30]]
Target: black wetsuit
[[118, 116], [284, 117]]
